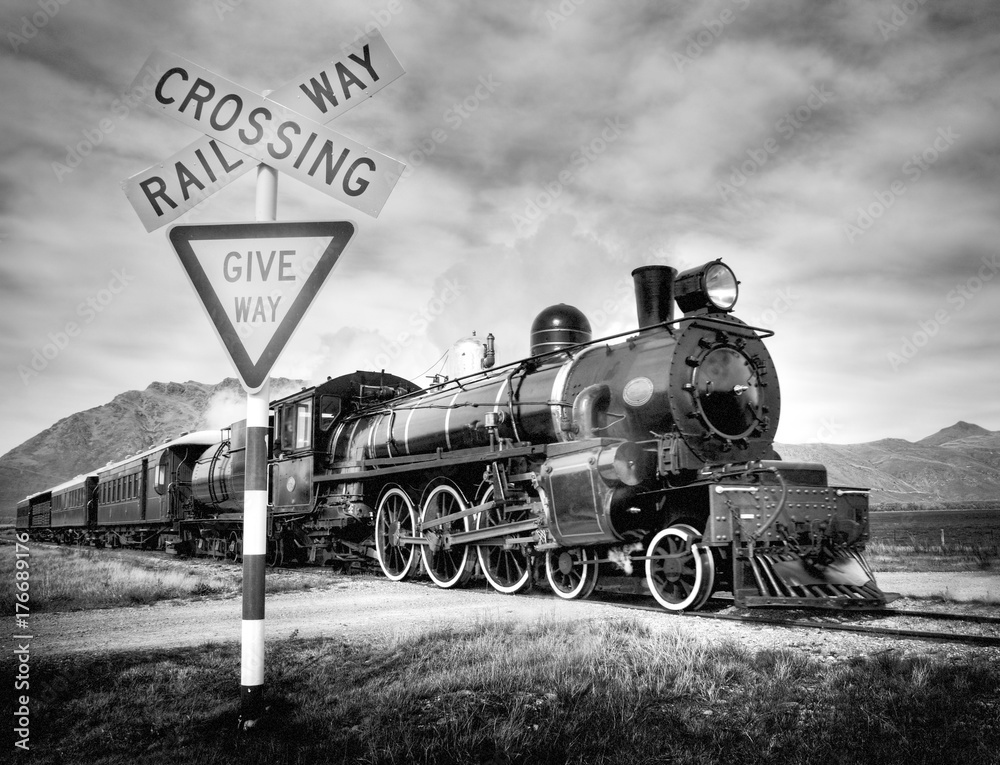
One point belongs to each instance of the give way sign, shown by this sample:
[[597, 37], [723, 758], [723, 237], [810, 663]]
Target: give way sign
[[257, 280], [285, 130]]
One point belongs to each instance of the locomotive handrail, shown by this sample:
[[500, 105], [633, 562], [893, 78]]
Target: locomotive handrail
[[389, 465], [460, 382]]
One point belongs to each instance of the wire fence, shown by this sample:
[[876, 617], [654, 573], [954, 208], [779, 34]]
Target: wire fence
[[943, 539]]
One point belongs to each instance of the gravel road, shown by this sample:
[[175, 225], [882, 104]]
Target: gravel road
[[369, 608]]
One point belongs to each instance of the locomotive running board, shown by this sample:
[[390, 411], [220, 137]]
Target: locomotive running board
[[785, 579]]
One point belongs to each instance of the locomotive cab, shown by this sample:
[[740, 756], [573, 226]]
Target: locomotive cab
[[305, 424], [296, 432]]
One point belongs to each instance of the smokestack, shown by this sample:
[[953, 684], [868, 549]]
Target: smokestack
[[654, 294]]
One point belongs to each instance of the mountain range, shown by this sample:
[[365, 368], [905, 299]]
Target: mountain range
[[961, 462], [131, 423]]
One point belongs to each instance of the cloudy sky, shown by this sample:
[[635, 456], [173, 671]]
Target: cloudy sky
[[842, 157]]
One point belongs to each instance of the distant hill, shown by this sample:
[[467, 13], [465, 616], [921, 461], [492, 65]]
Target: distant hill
[[131, 423], [961, 462], [957, 432]]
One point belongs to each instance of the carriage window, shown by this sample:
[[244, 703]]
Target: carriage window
[[160, 482], [329, 407]]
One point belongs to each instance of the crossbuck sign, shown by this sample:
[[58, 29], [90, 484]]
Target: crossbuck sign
[[286, 130], [257, 280]]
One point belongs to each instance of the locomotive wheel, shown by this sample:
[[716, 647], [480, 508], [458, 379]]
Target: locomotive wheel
[[675, 569], [507, 570], [234, 548], [274, 554], [447, 565], [395, 518], [571, 573], [708, 583], [708, 564]]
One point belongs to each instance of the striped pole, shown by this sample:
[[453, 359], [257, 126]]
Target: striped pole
[[255, 511], [254, 555]]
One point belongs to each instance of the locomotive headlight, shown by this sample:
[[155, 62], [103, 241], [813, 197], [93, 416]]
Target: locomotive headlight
[[711, 287]]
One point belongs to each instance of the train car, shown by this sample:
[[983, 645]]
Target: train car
[[641, 462], [74, 509], [143, 499], [38, 514], [22, 519]]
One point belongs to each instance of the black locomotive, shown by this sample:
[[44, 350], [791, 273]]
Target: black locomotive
[[642, 462]]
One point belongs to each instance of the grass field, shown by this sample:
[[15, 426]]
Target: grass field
[[70, 578], [935, 540], [609, 692], [965, 526], [540, 693]]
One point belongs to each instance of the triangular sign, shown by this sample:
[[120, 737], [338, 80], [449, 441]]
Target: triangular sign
[[257, 280]]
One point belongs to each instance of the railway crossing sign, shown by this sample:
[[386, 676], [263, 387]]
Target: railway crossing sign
[[257, 280], [286, 130]]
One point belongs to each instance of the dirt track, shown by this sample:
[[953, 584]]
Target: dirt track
[[370, 608]]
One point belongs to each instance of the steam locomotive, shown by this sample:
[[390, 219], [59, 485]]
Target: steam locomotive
[[641, 462]]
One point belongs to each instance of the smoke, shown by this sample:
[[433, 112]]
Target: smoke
[[224, 408], [229, 405], [621, 556]]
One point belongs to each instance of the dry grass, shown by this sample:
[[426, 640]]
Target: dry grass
[[539, 693], [919, 556], [75, 578]]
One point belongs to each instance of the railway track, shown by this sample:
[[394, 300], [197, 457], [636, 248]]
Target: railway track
[[837, 622]]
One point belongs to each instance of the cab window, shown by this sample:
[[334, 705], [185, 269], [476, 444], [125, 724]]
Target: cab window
[[303, 425], [296, 426], [329, 407]]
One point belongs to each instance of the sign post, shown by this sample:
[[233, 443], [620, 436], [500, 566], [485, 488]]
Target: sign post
[[256, 281], [255, 509]]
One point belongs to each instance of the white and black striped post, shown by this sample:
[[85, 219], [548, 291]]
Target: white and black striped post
[[255, 511], [254, 556]]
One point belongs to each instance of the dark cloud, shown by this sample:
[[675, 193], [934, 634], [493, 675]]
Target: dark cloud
[[551, 148]]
